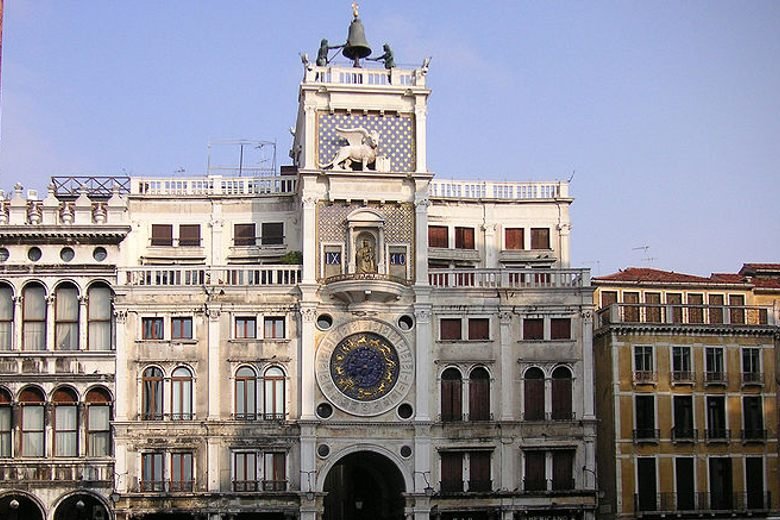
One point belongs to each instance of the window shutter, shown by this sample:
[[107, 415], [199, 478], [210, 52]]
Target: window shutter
[[608, 298], [464, 238], [479, 328], [514, 238], [450, 328], [189, 235], [437, 236], [560, 328], [244, 234], [273, 233], [162, 235], [540, 238], [533, 328]]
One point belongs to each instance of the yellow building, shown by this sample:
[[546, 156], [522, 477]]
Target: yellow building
[[686, 393]]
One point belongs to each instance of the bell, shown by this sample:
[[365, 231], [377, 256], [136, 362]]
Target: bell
[[356, 46]]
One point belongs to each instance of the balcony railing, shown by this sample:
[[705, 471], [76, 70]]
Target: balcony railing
[[717, 435], [650, 435], [683, 377], [683, 434], [509, 278], [645, 377], [274, 485], [246, 485], [214, 185], [166, 486], [478, 486], [451, 486], [752, 378], [702, 502], [686, 314], [27, 473], [715, 378], [754, 435], [450, 189], [231, 276]]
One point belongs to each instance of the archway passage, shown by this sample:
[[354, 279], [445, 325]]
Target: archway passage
[[364, 485], [81, 507], [19, 507]]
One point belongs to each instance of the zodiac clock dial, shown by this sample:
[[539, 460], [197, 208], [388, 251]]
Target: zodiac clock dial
[[364, 366]]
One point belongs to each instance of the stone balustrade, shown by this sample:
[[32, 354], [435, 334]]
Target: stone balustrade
[[19, 210], [465, 189]]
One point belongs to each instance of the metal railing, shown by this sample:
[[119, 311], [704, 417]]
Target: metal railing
[[752, 378], [645, 377], [478, 486], [646, 435], [717, 435], [685, 314], [754, 435], [702, 502], [680, 377], [715, 377], [683, 434], [509, 278], [166, 486]]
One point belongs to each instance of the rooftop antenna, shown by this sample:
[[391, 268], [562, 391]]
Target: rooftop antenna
[[647, 259]]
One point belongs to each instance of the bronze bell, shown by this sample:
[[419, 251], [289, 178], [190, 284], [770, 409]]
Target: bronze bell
[[356, 46]]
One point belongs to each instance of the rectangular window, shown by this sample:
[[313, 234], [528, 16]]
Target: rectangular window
[[275, 472], [653, 307], [450, 329], [540, 238], [244, 235], [683, 467], [98, 430], [479, 329], [716, 418], [645, 417], [753, 418], [152, 328], [451, 472], [674, 301], [737, 311], [560, 328], [66, 430], [99, 317], [152, 472], [631, 307], [464, 238], [714, 370], [644, 371], [681, 365], [479, 471], [274, 327], [181, 472], [683, 418], [721, 484], [754, 483], [533, 328], [514, 239], [716, 308], [32, 431], [245, 471], [563, 470], [608, 298], [535, 474], [5, 431], [695, 308], [751, 366], [181, 328], [273, 234], [189, 235], [646, 484], [437, 236], [162, 234], [246, 327]]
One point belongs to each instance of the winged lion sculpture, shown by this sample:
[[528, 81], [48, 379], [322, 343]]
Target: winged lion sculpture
[[362, 148]]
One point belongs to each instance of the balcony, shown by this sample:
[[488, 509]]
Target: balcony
[[509, 278], [451, 486], [752, 379], [754, 435], [683, 377], [702, 502], [715, 378], [166, 486], [685, 315], [645, 377], [478, 190], [213, 186], [24, 473], [274, 485], [480, 486], [683, 434], [717, 435], [364, 287], [554, 485], [646, 435], [211, 277]]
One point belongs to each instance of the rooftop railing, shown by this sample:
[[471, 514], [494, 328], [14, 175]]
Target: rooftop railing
[[366, 75], [237, 276], [686, 314], [509, 278], [214, 185], [451, 189]]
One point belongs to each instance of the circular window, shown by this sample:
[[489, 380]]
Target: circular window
[[67, 254], [405, 322], [100, 254], [405, 411], [324, 410], [323, 450], [324, 321], [34, 254], [4, 254], [406, 451]]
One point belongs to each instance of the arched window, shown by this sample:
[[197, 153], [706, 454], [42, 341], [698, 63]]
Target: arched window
[[6, 317], [6, 423], [34, 317], [273, 388], [99, 317], [246, 394], [98, 423], [152, 388], [181, 394], [66, 423], [479, 395], [561, 394], [534, 395], [451, 396], [32, 424], [66, 317]]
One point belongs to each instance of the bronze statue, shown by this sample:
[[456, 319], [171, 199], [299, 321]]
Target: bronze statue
[[387, 57], [322, 53]]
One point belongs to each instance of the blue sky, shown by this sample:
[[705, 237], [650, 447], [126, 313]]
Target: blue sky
[[668, 111]]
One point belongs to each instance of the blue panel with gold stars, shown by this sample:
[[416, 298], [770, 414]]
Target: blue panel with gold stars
[[396, 140]]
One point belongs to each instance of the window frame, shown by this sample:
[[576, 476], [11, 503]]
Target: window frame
[[519, 239], [182, 394], [465, 238], [7, 331], [473, 334], [152, 463], [245, 484], [239, 239], [274, 394], [152, 405], [271, 324], [160, 238], [182, 465], [555, 335], [244, 320], [452, 321], [66, 326], [182, 333], [270, 239], [527, 321], [249, 412], [152, 328], [27, 322], [26, 432], [65, 437], [188, 238], [438, 242], [539, 237], [97, 320]]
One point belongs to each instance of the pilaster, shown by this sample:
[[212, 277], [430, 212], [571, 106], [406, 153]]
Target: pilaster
[[506, 399], [213, 349]]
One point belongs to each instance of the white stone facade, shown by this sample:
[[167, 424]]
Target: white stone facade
[[331, 342]]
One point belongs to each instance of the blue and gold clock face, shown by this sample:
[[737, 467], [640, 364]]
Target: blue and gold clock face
[[364, 366]]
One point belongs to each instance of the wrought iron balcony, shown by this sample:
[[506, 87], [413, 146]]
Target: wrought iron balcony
[[702, 502], [451, 486], [716, 378], [752, 379], [645, 377], [683, 434], [754, 435], [717, 435], [476, 486], [683, 377], [649, 435]]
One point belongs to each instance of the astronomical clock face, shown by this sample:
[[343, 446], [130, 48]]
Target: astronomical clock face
[[364, 367]]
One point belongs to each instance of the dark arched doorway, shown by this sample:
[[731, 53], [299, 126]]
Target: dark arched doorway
[[81, 507], [19, 507], [364, 485]]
